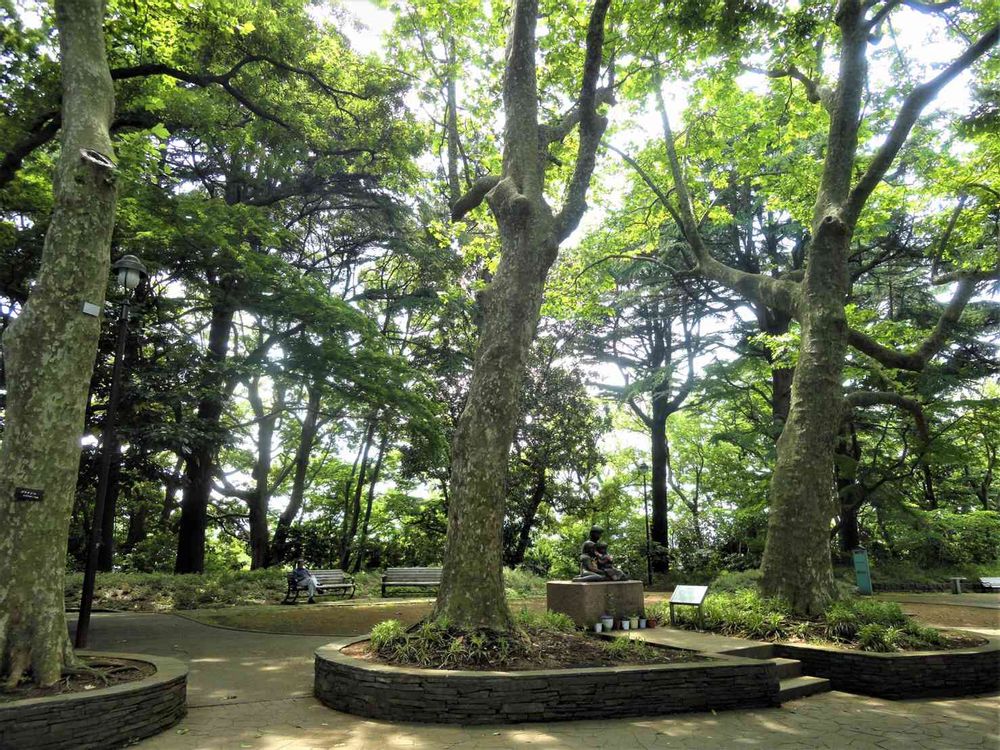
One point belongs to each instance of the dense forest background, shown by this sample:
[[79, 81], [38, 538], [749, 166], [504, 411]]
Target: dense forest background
[[302, 349]]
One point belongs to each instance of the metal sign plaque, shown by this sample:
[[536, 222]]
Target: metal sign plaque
[[27, 495], [689, 595]]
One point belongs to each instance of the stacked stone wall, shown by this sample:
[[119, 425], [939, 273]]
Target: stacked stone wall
[[105, 718], [902, 675], [465, 697]]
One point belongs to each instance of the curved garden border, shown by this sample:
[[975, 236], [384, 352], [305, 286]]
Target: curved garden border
[[384, 691], [106, 718], [899, 675]]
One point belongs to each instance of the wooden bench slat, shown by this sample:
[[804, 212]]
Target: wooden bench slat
[[411, 577]]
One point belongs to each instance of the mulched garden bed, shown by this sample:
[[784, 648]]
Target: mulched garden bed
[[107, 673], [552, 650]]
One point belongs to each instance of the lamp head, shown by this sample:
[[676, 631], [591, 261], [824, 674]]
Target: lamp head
[[130, 271], [643, 467]]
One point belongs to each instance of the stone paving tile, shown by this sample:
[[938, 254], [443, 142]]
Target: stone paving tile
[[832, 720], [271, 679]]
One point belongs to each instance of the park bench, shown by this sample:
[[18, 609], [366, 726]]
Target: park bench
[[990, 584], [429, 578], [328, 583]]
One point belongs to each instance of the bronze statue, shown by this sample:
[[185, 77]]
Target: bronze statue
[[595, 562]]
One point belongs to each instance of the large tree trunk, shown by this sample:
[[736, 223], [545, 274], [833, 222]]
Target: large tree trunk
[[260, 498], [352, 499], [472, 594], [528, 522], [310, 426], [359, 556], [472, 590], [797, 562], [659, 531], [49, 353], [199, 466]]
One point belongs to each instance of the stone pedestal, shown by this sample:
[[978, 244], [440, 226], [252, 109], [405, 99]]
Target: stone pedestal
[[586, 602]]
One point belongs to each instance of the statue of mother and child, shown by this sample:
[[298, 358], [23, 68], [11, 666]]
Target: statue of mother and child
[[595, 562]]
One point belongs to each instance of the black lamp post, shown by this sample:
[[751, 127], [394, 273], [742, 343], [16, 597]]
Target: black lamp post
[[643, 468], [130, 271]]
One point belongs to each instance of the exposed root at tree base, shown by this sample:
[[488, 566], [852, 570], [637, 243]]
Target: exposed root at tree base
[[89, 674]]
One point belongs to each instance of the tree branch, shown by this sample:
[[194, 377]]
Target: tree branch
[[913, 105], [474, 197], [557, 131], [592, 125], [41, 131], [777, 293], [918, 358], [202, 81], [815, 92], [857, 399]]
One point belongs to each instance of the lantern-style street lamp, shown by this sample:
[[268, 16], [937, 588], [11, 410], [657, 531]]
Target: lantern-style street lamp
[[130, 272]]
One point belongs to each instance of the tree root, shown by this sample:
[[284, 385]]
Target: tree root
[[99, 674]]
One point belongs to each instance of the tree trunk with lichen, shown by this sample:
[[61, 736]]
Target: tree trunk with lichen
[[472, 590], [49, 353], [472, 595]]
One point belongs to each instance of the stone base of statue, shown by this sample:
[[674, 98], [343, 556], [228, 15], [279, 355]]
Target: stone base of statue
[[586, 602]]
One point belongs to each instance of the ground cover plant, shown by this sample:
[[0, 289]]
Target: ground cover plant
[[542, 640], [852, 622], [161, 592]]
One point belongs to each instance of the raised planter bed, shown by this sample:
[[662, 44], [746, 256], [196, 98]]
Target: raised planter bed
[[383, 691], [913, 674], [104, 718]]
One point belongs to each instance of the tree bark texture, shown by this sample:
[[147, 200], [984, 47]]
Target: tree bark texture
[[658, 529], [797, 562], [49, 353], [472, 595], [199, 465]]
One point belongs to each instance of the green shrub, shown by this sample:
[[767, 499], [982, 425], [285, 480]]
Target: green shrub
[[522, 584], [152, 592], [845, 618], [876, 637], [626, 649], [742, 613], [736, 581], [436, 644], [547, 621], [871, 624], [387, 634]]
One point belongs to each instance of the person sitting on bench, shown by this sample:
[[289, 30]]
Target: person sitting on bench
[[305, 579]]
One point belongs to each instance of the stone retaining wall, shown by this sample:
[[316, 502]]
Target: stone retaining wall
[[107, 718], [465, 697], [968, 671]]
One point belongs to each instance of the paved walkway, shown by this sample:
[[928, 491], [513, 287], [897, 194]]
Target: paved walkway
[[253, 691], [978, 601]]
